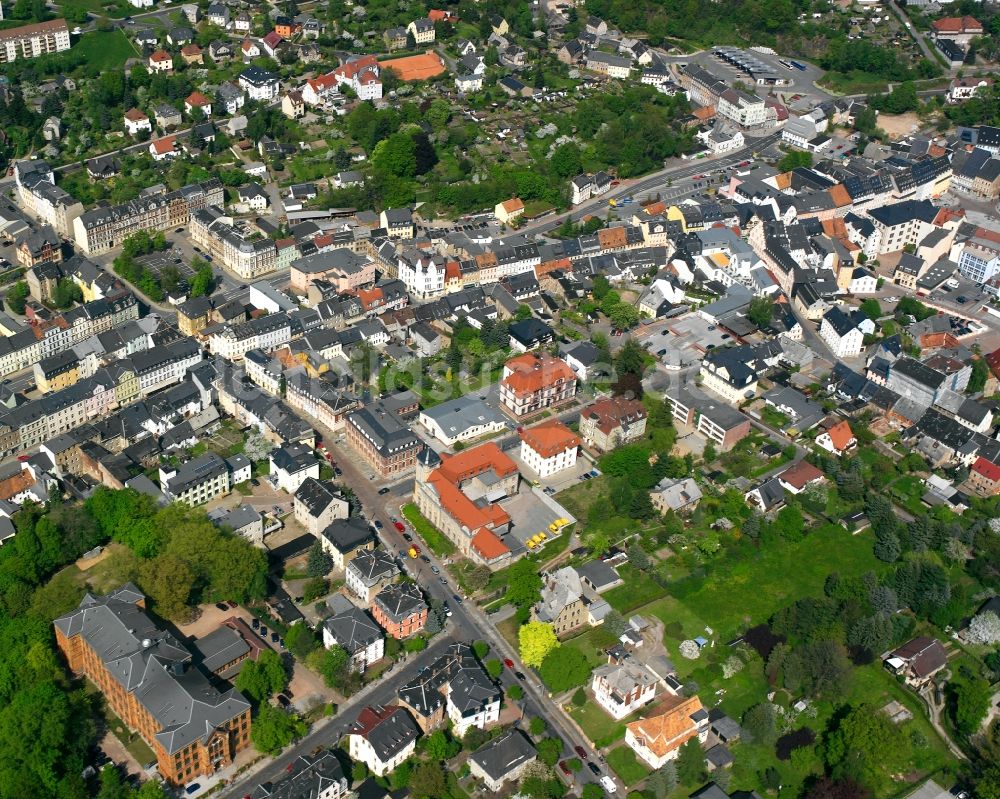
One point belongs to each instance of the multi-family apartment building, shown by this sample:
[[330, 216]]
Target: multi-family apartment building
[[422, 273], [159, 367], [149, 680], [249, 256], [446, 492], [197, 481], [746, 110], [535, 381], [549, 447], [400, 609], [31, 41], [263, 333], [979, 258], [613, 422], [101, 229], [383, 439], [716, 421], [40, 197]]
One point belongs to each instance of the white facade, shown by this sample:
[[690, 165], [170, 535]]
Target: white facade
[[490, 714], [613, 703], [546, 467], [846, 346], [372, 653], [362, 750], [423, 278]]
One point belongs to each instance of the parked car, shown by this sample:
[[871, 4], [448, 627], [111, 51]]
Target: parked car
[[435, 569], [593, 767], [275, 637], [565, 768], [508, 663], [194, 787], [608, 784], [378, 525], [407, 537], [221, 606], [255, 623], [519, 675], [283, 700], [398, 525], [580, 751], [263, 632], [385, 490]]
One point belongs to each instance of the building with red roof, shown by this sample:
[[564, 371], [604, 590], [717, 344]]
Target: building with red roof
[[984, 477], [960, 30], [549, 447], [535, 381], [611, 422], [838, 438], [799, 476], [459, 494], [198, 100]]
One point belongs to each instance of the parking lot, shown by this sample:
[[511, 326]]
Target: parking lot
[[531, 513]]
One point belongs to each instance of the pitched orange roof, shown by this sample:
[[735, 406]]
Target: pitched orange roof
[[15, 484], [471, 462], [512, 205], [488, 545], [956, 24], [191, 49], [612, 237], [840, 435], [197, 100], [801, 474], [840, 196], [370, 297], [531, 372], [704, 113], [486, 259], [160, 55], [669, 729], [565, 264], [135, 115], [783, 181], [165, 145], [550, 438], [655, 209]]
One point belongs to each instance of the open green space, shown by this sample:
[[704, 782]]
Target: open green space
[[598, 726], [434, 539], [627, 766], [106, 50]]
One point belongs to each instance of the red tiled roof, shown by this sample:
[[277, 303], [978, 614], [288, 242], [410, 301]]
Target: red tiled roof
[[840, 435], [987, 469], [135, 115], [197, 100], [488, 545], [165, 145], [550, 438], [532, 372], [964, 24], [612, 412], [800, 475]]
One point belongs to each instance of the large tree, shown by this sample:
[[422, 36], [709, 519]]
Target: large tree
[[274, 729], [537, 639], [564, 668]]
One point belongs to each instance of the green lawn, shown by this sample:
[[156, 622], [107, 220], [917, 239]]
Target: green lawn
[[597, 725], [639, 589], [592, 644], [855, 82], [747, 589], [625, 764], [434, 539], [907, 491], [106, 49]]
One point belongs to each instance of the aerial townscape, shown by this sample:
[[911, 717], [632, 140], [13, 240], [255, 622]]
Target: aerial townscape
[[562, 399]]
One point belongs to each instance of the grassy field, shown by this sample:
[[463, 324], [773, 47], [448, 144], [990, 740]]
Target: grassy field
[[106, 49], [434, 539], [748, 589], [639, 589], [855, 82], [627, 766], [598, 726]]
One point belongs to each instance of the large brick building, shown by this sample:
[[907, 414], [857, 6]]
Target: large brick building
[[451, 491], [149, 681]]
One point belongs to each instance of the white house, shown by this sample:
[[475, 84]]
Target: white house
[[622, 687], [292, 465], [843, 332], [136, 120], [259, 84], [837, 439], [382, 738], [549, 447], [502, 760], [358, 634]]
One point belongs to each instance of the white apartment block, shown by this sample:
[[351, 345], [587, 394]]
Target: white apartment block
[[31, 41], [247, 257]]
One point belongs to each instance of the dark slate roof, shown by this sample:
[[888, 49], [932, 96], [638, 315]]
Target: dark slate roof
[[354, 630], [153, 666], [348, 534], [502, 755]]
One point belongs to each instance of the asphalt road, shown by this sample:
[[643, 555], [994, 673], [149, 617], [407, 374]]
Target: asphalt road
[[467, 623], [677, 171]]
